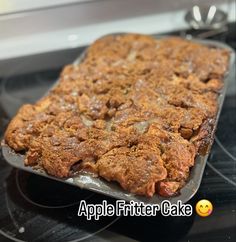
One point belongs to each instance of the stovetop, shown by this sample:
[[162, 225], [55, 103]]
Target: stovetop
[[33, 208]]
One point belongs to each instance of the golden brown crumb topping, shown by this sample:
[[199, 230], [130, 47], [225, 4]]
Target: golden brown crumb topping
[[136, 111]]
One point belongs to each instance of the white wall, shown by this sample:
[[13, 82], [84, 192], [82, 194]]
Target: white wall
[[73, 25]]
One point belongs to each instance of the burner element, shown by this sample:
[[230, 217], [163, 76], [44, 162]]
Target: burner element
[[34, 208]]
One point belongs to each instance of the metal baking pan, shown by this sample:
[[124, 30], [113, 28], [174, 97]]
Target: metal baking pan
[[112, 189]]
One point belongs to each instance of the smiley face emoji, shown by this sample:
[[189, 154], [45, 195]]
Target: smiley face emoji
[[204, 208]]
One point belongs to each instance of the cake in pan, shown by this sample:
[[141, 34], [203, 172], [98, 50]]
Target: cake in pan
[[136, 110]]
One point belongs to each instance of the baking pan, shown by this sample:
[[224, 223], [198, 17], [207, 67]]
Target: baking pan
[[112, 189]]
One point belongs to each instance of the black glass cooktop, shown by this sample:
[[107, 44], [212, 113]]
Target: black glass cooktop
[[33, 208]]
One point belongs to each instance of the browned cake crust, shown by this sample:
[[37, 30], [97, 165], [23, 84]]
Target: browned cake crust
[[135, 111]]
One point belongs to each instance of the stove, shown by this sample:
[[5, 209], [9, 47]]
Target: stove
[[35, 208]]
